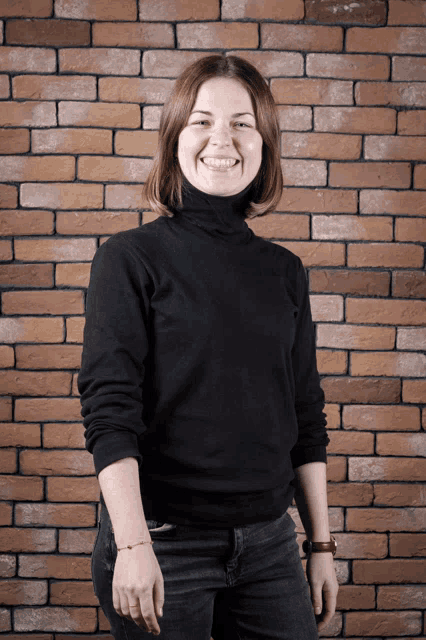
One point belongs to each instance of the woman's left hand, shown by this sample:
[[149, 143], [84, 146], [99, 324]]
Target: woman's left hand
[[324, 586]]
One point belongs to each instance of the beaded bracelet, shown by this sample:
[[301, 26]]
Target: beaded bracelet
[[130, 546]]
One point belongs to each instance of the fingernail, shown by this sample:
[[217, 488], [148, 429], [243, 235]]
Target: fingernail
[[317, 610], [161, 612]]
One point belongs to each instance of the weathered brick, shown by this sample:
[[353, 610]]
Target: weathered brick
[[370, 174], [75, 328], [401, 444], [78, 620], [73, 593], [31, 330], [403, 12], [410, 230], [409, 545], [366, 390], [348, 443], [386, 40], [54, 87], [273, 63], [409, 284], [14, 141], [168, 64], [331, 362], [90, 223], [391, 623], [350, 494], [96, 9], [351, 227], [317, 253], [350, 281], [6, 250], [5, 623], [34, 383], [8, 196], [391, 93], [103, 61], [120, 196], [71, 141], [7, 356], [68, 436], [414, 339], [64, 33], [393, 312], [224, 35], [42, 302], [347, 66], [140, 90], [17, 540], [354, 119], [388, 364], [47, 357], [189, 10], [27, 59], [136, 143], [240, 9], [355, 337], [400, 495], [18, 487], [27, 114], [23, 592], [391, 468], [62, 196], [73, 489], [420, 176], [408, 68], [394, 202], [26, 168], [104, 169], [76, 540], [143, 35], [372, 418], [413, 391], [151, 117], [401, 597], [321, 145], [26, 8], [394, 148], [4, 86], [311, 91], [294, 118], [301, 37], [412, 123], [60, 515], [310, 173], [75, 274], [317, 201], [326, 308], [332, 11], [6, 407], [99, 115]]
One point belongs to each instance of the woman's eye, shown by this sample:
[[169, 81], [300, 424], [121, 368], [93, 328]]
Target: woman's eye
[[243, 124]]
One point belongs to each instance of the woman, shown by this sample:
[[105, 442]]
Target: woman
[[200, 392]]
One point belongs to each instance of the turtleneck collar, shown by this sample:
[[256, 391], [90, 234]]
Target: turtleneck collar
[[221, 216]]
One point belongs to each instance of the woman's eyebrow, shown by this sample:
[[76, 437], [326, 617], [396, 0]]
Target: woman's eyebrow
[[234, 115]]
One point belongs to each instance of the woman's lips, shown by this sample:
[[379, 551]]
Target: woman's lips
[[219, 164]]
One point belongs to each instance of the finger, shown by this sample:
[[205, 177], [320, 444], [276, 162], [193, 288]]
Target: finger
[[159, 598], [116, 601], [147, 609]]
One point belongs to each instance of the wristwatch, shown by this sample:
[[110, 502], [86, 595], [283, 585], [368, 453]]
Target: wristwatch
[[320, 547]]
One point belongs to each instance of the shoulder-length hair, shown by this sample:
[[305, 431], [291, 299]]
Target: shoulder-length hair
[[163, 187]]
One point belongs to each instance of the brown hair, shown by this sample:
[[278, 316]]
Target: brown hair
[[163, 187]]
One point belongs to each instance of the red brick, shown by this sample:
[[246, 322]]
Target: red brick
[[55, 249], [347, 66], [151, 117], [79, 620], [5, 624], [391, 468], [402, 444], [349, 281], [48, 410], [67, 436], [394, 312], [394, 148], [311, 91], [17, 540], [400, 495], [401, 597], [392, 418], [294, 118], [412, 123], [103, 169], [317, 253], [15, 168], [320, 145], [62, 196], [42, 302], [278, 225], [77, 274], [7, 356], [75, 327], [5, 407], [354, 119], [31, 330], [55, 515], [332, 11], [351, 228], [76, 540], [386, 40], [411, 339], [385, 255], [54, 88], [350, 494], [168, 64], [369, 623], [99, 115], [366, 390], [136, 143], [27, 114], [410, 230], [48, 357], [96, 9], [7, 465], [71, 141], [91, 223], [301, 37], [27, 8], [394, 202], [409, 284], [407, 12], [331, 362], [170, 11], [27, 59], [14, 141], [408, 68], [121, 196], [140, 90], [240, 9], [64, 33], [388, 364], [131, 34], [100, 61], [273, 63], [73, 593], [387, 93], [420, 176], [355, 337], [73, 489], [26, 275], [8, 196], [19, 435], [326, 308], [19, 488], [414, 391], [370, 174], [345, 442], [309, 173], [19, 592], [6, 250], [217, 34], [16, 223], [408, 545], [317, 201]]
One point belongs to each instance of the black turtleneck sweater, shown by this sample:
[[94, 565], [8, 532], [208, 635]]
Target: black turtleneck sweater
[[199, 360]]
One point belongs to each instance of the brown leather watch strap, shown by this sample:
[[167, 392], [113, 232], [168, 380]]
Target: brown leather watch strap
[[309, 546]]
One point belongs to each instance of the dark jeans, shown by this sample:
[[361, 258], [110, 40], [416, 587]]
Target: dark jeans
[[240, 583]]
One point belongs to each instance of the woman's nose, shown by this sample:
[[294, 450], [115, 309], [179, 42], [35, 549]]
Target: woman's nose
[[221, 136]]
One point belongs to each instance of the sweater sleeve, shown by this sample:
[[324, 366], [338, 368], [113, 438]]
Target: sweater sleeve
[[309, 396], [115, 344]]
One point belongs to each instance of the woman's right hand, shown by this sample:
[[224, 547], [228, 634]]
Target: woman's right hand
[[138, 587]]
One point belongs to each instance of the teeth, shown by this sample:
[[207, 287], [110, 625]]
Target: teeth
[[219, 162]]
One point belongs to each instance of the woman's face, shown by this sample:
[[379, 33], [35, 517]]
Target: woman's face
[[220, 148]]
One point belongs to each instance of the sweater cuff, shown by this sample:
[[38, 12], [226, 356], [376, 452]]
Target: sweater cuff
[[304, 455], [111, 447]]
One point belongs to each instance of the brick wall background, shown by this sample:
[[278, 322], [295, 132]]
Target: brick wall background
[[81, 88]]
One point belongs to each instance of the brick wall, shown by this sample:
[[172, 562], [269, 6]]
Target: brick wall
[[81, 89]]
